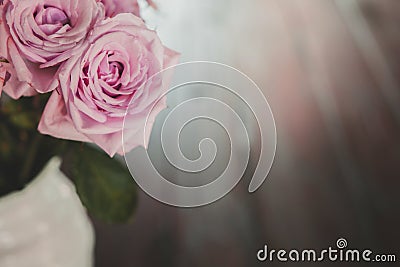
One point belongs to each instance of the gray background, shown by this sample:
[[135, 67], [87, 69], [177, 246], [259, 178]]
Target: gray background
[[330, 70]]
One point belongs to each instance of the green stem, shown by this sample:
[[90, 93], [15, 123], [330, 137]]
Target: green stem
[[30, 158]]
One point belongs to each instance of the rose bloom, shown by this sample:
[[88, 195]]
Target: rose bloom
[[115, 7], [37, 34], [107, 81]]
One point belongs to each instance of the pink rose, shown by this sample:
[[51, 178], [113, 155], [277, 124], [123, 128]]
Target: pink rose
[[97, 86], [115, 7], [37, 34]]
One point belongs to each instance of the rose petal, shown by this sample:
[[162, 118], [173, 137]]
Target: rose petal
[[57, 123]]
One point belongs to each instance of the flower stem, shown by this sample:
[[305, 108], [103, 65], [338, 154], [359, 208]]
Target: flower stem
[[30, 158]]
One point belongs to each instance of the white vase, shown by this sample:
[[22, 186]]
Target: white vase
[[45, 224]]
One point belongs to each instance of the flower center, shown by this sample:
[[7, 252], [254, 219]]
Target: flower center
[[110, 71], [52, 20]]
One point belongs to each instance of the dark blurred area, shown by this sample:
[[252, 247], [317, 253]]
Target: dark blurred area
[[331, 73]]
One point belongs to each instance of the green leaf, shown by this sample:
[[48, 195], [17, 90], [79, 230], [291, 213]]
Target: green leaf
[[105, 186]]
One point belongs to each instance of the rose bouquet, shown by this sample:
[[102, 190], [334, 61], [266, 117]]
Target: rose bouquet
[[71, 72]]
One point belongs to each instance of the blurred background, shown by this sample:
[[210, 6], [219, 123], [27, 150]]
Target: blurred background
[[331, 73]]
